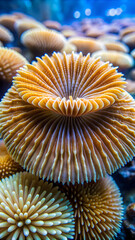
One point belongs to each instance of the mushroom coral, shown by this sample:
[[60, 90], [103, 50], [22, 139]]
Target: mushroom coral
[[10, 62], [97, 207], [5, 35], [108, 37], [116, 46], [69, 33], [86, 45], [31, 209], [43, 41], [7, 165], [129, 39], [121, 59], [52, 25], [94, 32], [127, 31], [8, 20], [25, 24], [67, 118]]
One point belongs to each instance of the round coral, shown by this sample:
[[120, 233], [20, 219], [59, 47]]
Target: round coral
[[129, 39], [116, 46], [68, 119], [127, 31], [25, 24], [8, 20], [5, 35], [120, 59], [86, 45], [10, 62], [52, 25], [43, 41], [7, 165], [33, 209], [98, 209]]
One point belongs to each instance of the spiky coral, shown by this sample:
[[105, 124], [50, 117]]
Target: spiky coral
[[31, 209], [98, 209], [7, 165]]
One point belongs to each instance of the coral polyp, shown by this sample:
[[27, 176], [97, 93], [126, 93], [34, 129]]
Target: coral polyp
[[7, 165], [10, 62], [97, 207], [33, 209], [67, 118]]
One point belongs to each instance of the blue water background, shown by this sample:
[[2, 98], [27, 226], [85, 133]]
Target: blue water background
[[66, 11]]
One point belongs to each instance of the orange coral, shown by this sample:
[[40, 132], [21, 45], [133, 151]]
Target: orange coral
[[7, 165], [10, 62], [97, 207], [86, 45], [68, 119]]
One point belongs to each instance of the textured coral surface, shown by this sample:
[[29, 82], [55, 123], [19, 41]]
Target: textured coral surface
[[67, 118], [33, 209]]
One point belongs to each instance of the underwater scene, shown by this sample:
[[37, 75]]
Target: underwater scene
[[67, 120]]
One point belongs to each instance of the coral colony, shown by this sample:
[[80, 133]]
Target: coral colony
[[66, 122]]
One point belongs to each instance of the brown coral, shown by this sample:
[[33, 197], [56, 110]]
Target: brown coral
[[67, 118], [52, 25], [129, 40], [97, 207], [5, 35], [10, 62], [86, 45], [127, 31], [123, 60], [43, 41], [8, 20], [94, 32], [33, 209], [7, 165], [25, 24]]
